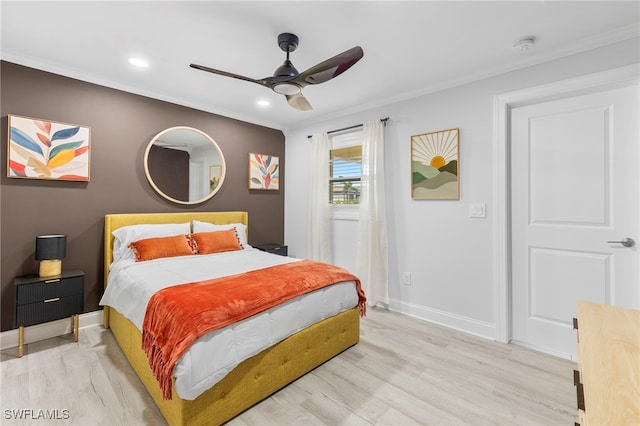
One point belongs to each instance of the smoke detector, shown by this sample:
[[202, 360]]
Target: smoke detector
[[524, 44]]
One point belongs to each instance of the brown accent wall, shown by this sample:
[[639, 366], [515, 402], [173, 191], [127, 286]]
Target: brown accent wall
[[122, 124]]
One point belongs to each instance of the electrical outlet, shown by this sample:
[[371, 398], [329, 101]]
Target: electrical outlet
[[406, 278]]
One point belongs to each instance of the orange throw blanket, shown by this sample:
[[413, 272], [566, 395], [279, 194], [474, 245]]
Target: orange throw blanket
[[177, 316]]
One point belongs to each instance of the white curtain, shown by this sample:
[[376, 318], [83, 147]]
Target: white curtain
[[318, 243], [372, 229]]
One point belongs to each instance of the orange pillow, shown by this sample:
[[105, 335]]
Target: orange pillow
[[154, 248], [216, 241]]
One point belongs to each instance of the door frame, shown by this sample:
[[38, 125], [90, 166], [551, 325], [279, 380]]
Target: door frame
[[502, 106]]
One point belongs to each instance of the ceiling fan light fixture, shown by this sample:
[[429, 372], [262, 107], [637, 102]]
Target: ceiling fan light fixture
[[287, 89]]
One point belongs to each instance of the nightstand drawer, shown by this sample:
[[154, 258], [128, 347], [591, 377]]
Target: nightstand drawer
[[46, 310], [282, 250], [41, 299], [48, 289]]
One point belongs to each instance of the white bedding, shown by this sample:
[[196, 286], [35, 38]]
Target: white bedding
[[131, 285]]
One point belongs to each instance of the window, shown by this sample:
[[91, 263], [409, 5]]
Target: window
[[345, 168]]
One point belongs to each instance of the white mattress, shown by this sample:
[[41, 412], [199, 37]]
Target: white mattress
[[131, 285]]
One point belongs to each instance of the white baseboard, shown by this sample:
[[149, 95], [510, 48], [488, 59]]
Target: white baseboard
[[457, 322], [542, 349], [34, 333]]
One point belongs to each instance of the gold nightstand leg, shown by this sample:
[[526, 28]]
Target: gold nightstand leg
[[20, 341], [75, 321]]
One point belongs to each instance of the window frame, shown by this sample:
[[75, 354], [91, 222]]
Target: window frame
[[339, 141]]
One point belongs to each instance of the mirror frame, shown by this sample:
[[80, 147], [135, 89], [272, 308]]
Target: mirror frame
[[159, 191]]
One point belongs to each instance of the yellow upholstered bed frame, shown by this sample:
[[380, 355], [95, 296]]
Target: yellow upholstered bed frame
[[255, 378]]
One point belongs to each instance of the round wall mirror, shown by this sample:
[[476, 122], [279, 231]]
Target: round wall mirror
[[184, 165]]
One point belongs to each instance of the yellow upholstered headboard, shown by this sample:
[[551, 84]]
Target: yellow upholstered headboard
[[115, 221]]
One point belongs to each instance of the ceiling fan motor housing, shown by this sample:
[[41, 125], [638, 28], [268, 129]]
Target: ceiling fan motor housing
[[288, 42]]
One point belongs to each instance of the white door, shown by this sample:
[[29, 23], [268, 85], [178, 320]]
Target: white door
[[574, 188]]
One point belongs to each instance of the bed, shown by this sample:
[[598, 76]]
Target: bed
[[254, 378]]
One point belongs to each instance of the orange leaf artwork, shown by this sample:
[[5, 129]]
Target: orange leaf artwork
[[42, 149]]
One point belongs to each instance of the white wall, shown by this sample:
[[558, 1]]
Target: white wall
[[449, 255]]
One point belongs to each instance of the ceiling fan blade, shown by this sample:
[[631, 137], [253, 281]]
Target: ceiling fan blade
[[298, 101], [229, 74], [330, 68]]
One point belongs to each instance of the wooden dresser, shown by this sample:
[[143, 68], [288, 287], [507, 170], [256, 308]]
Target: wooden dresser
[[608, 383]]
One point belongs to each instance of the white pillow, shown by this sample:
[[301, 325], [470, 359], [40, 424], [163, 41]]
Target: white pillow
[[241, 230], [128, 234]]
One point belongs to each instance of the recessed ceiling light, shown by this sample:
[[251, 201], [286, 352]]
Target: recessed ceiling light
[[263, 103], [138, 62]]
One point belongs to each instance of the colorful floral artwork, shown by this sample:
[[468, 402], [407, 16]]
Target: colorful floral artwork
[[434, 165], [41, 149], [264, 172]]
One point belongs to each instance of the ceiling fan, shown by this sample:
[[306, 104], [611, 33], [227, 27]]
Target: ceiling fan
[[286, 79]]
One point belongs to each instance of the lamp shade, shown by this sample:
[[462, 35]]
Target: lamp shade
[[49, 247]]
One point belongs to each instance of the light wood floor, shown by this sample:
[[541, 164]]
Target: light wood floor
[[403, 372]]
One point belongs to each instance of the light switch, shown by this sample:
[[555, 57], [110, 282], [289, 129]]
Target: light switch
[[477, 210]]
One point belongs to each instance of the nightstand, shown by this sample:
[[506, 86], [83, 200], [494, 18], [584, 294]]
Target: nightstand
[[42, 299], [273, 248]]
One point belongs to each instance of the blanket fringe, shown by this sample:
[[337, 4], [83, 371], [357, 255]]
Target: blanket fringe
[[363, 308], [157, 363]]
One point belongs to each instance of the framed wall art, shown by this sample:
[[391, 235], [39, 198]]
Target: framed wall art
[[264, 172], [44, 149], [215, 174], [434, 166]]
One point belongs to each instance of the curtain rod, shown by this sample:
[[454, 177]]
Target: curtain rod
[[384, 123]]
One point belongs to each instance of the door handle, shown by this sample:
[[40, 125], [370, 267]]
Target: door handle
[[627, 242]]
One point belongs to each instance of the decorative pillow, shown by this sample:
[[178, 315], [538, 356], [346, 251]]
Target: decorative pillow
[[128, 234], [155, 248], [241, 229], [216, 241]]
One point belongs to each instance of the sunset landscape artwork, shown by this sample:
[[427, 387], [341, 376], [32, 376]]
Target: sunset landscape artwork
[[43, 149], [434, 165]]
